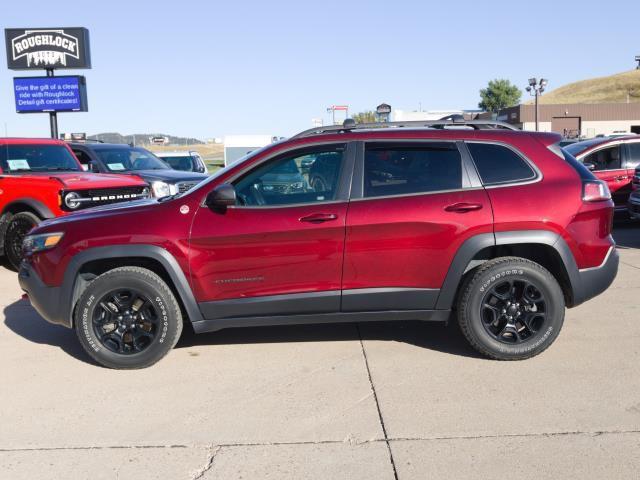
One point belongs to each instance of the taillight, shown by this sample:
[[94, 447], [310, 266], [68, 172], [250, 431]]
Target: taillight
[[595, 191]]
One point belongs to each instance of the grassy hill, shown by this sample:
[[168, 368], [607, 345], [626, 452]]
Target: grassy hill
[[612, 89]]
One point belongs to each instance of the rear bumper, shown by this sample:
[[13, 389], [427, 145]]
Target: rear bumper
[[45, 299], [593, 281]]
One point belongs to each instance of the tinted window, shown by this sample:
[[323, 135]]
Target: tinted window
[[121, 159], [605, 159], [286, 180], [634, 155], [407, 169], [497, 164], [36, 158], [84, 159], [183, 163]]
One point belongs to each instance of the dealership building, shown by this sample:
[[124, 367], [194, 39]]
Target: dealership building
[[576, 120]]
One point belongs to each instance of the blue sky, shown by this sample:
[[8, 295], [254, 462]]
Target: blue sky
[[210, 68]]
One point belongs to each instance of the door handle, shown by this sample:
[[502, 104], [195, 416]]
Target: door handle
[[463, 207], [622, 177], [319, 217]]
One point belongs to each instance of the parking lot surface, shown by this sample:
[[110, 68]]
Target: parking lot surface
[[372, 401]]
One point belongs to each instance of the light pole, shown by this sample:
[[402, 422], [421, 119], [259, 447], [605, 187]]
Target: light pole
[[535, 89]]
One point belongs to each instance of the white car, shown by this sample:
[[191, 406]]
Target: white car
[[186, 161]]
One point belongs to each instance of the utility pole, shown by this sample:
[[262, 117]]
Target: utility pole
[[53, 116], [535, 89]]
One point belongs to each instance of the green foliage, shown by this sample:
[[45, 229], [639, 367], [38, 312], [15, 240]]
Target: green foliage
[[365, 117], [499, 94]]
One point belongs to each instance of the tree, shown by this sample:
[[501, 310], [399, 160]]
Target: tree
[[365, 117], [499, 94]]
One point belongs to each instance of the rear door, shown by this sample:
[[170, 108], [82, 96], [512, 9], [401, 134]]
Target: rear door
[[606, 164], [413, 204]]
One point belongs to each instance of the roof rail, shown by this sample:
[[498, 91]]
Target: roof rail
[[349, 125]]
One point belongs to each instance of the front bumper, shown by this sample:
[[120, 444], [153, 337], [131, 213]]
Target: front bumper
[[595, 280], [47, 300]]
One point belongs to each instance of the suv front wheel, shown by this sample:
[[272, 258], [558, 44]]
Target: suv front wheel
[[511, 308], [128, 318]]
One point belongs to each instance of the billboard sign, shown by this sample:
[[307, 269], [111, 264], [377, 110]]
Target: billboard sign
[[47, 48], [50, 94]]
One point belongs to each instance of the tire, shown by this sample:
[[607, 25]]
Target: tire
[[17, 228], [116, 334], [493, 324]]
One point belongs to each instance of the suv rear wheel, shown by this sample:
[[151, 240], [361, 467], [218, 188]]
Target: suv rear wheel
[[128, 318], [17, 228], [511, 309]]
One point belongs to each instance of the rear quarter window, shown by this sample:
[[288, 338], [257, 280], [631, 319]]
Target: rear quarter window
[[498, 164]]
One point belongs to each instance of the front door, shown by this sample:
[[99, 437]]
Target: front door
[[606, 164], [280, 249], [416, 207]]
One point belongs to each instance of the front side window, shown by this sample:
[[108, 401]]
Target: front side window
[[498, 164], [410, 169], [309, 176], [604, 159], [36, 158], [122, 159]]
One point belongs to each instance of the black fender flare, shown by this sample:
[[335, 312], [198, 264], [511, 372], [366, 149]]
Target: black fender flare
[[472, 246], [40, 208], [72, 286]]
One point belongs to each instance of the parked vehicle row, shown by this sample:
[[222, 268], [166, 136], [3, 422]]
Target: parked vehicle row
[[613, 160], [497, 229], [42, 179]]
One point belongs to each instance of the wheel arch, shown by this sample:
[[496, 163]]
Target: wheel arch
[[91, 263], [541, 246]]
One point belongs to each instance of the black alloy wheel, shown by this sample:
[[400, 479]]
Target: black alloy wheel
[[126, 322], [513, 311], [17, 228]]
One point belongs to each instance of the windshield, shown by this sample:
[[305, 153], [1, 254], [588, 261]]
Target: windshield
[[123, 159], [37, 158], [184, 162], [576, 148]]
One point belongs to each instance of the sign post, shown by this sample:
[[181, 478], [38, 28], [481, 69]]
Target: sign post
[[48, 49]]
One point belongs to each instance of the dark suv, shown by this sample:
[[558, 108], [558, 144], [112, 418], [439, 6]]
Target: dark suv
[[500, 229], [121, 158]]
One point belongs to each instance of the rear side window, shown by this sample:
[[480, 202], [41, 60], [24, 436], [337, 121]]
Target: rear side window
[[634, 155], [408, 169], [498, 164]]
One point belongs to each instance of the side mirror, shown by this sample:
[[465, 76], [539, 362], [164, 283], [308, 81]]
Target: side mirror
[[224, 195], [590, 166]]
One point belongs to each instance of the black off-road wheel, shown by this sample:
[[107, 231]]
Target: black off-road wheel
[[17, 228], [128, 318], [511, 308]]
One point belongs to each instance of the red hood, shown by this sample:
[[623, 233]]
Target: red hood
[[82, 180]]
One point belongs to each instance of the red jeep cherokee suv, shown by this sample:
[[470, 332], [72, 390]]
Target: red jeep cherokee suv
[[41, 179], [498, 228]]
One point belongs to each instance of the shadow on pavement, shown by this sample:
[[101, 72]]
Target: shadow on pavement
[[429, 335], [23, 320], [627, 235]]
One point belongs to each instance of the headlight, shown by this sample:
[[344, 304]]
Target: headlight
[[163, 189], [44, 241], [71, 200]]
